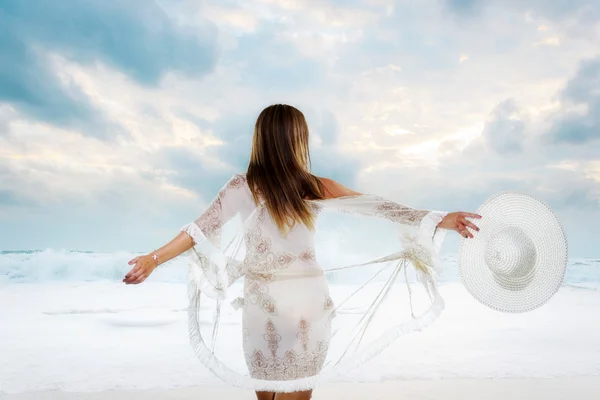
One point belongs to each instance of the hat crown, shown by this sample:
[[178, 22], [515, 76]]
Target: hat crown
[[510, 253]]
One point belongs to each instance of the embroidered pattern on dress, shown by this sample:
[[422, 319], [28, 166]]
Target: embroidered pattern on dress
[[303, 334], [259, 254], [272, 338], [329, 306], [257, 293], [292, 365], [308, 255], [260, 263]]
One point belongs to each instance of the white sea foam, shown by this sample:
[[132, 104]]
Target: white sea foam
[[74, 266]]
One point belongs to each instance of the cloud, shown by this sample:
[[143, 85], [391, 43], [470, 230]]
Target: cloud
[[10, 198], [6, 115], [329, 128], [269, 60], [236, 131], [504, 132], [391, 107], [135, 37], [579, 123], [28, 82], [328, 160], [194, 173], [463, 6], [586, 11]]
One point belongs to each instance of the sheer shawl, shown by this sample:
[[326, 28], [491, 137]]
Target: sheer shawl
[[375, 261]]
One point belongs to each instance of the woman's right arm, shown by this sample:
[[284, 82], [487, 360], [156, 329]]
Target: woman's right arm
[[206, 227], [144, 265]]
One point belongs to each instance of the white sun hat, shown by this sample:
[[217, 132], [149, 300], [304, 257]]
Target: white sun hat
[[517, 260]]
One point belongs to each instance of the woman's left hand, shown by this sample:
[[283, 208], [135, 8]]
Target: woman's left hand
[[144, 265], [457, 221]]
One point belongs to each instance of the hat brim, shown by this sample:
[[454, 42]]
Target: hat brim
[[541, 225]]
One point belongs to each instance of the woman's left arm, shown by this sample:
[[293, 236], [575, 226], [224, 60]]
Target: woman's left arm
[[397, 212]]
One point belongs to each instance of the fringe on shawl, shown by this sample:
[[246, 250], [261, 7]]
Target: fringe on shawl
[[207, 275]]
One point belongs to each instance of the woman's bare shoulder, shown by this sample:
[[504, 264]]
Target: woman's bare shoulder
[[335, 189]]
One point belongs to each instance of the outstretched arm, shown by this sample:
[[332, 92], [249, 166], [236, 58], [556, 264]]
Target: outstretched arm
[[144, 265], [206, 227], [456, 221]]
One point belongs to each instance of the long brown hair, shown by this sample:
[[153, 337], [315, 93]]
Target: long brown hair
[[279, 169]]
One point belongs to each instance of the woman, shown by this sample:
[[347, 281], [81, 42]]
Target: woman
[[287, 308]]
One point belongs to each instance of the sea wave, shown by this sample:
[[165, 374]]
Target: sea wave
[[86, 266], [68, 265]]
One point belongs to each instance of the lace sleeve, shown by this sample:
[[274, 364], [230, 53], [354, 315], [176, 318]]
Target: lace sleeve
[[398, 212], [224, 207], [210, 269], [426, 220]]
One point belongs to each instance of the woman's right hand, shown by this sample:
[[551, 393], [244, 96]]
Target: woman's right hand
[[143, 267], [457, 221]]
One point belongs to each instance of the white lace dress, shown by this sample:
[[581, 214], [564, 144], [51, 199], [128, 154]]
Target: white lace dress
[[287, 307]]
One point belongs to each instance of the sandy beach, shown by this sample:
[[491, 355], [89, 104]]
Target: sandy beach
[[447, 389]]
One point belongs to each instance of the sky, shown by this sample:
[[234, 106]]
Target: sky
[[120, 120]]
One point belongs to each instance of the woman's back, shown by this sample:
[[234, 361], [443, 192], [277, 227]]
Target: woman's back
[[267, 249], [286, 303]]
